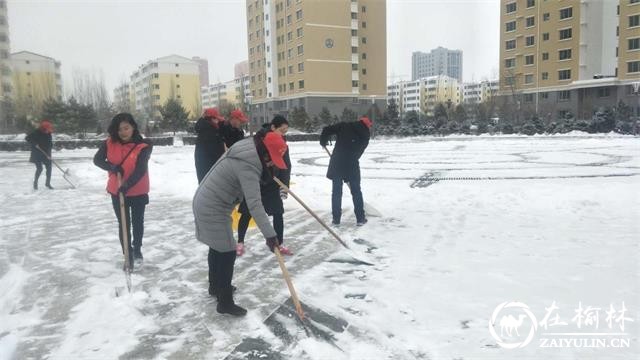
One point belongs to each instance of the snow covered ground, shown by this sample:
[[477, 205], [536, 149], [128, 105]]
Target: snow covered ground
[[468, 224]]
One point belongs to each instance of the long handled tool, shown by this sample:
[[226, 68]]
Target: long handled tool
[[125, 236], [65, 173], [287, 279], [286, 188], [368, 209]]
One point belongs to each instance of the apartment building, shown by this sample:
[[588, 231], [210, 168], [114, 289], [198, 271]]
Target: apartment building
[[203, 67], [423, 95], [569, 57], [35, 79], [169, 77], [439, 61], [315, 54], [479, 92], [235, 92], [5, 48]]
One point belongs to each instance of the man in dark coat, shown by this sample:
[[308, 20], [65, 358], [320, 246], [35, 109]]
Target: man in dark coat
[[231, 130], [352, 139], [209, 144], [41, 138]]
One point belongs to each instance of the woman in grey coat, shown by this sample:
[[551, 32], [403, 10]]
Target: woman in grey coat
[[235, 176]]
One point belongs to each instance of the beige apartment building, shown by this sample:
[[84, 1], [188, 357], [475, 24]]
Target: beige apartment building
[[315, 54], [36, 79], [569, 56], [169, 77], [423, 95], [235, 92]]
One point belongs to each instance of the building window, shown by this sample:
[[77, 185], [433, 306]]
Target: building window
[[528, 98], [299, 14], [364, 9], [511, 26], [566, 13], [289, 53], [634, 44], [289, 36], [290, 69], [528, 60], [364, 56], [177, 75], [364, 71], [364, 40], [300, 67], [510, 44], [564, 95], [545, 56], [511, 7], [633, 66], [565, 34], [544, 95], [531, 3], [288, 19], [528, 79], [530, 21], [634, 20], [509, 63], [364, 86], [354, 32], [354, 83], [354, 66], [604, 92], [354, 50], [530, 40], [300, 50], [299, 32], [291, 86], [364, 24], [545, 76], [545, 36], [545, 17], [301, 84], [564, 74], [564, 54]]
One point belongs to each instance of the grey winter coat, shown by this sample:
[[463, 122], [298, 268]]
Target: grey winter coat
[[236, 175]]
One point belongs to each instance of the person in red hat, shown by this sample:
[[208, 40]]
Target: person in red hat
[[41, 144], [209, 142], [344, 166], [236, 175], [231, 129]]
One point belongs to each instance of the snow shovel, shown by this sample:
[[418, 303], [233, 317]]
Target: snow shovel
[[125, 239], [368, 209], [65, 173], [336, 236]]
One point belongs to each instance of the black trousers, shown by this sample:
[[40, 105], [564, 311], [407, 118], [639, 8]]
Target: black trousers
[[47, 166], [278, 226], [134, 213], [356, 195], [221, 268]]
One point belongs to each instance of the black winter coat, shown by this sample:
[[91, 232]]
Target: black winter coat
[[229, 134], [209, 143], [352, 140], [44, 140]]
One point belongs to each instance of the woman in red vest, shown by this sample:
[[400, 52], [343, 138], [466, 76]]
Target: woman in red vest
[[127, 153]]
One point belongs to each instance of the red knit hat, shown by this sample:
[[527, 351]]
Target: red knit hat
[[238, 114], [46, 126], [365, 120], [213, 113]]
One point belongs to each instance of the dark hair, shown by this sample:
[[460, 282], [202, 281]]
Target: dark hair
[[115, 125], [278, 121]]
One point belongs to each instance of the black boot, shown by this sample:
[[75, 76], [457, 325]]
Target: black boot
[[226, 304], [137, 253], [35, 184], [48, 186], [213, 290]]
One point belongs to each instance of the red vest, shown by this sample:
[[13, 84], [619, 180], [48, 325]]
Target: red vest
[[116, 152]]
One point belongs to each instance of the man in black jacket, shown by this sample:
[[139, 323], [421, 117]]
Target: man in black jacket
[[352, 139], [41, 144], [209, 144]]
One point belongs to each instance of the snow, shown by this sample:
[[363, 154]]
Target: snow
[[529, 219]]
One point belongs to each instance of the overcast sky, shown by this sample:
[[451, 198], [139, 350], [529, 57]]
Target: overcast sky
[[117, 36]]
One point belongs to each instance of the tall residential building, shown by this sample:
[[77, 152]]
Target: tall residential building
[[234, 92], [439, 61], [479, 92], [241, 69], [203, 66], [569, 57], [315, 54], [5, 48], [169, 77], [423, 95], [36, 78]]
